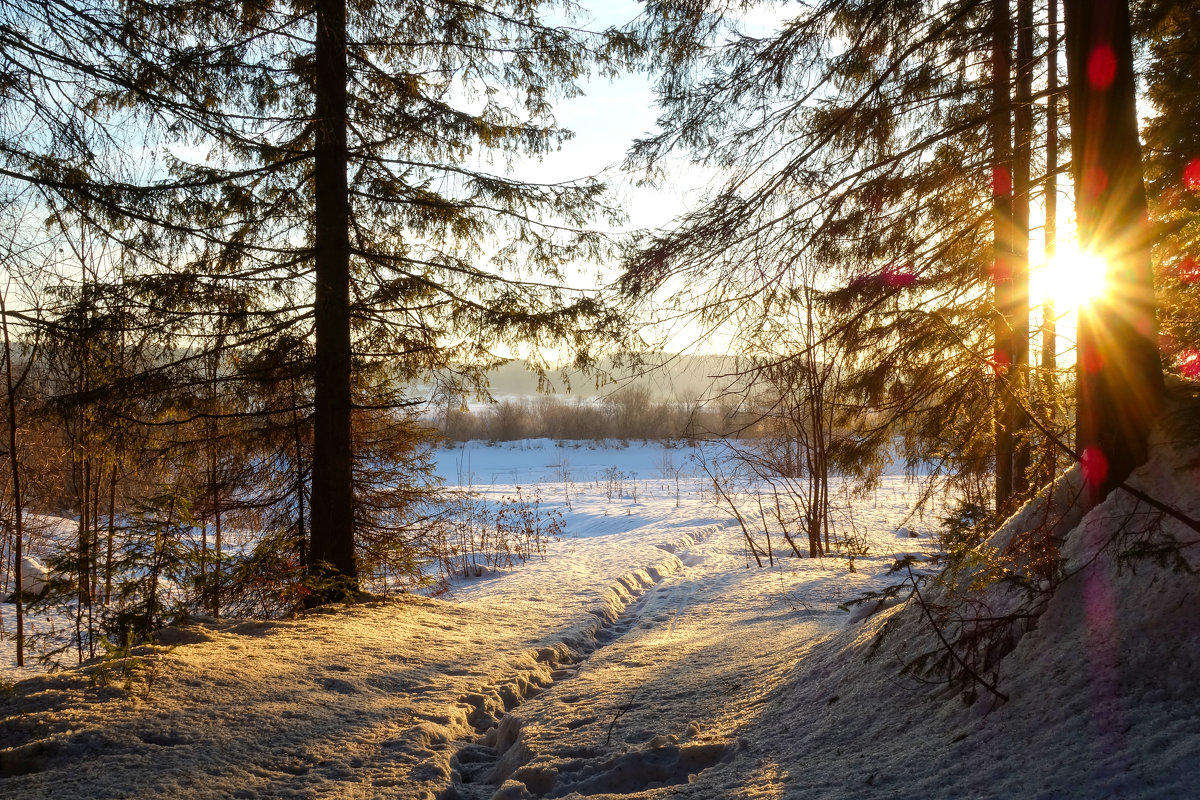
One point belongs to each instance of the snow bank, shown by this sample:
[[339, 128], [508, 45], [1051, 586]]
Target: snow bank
[[1100, 685], [34, 575]]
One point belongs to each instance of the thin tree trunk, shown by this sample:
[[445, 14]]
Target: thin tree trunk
[[1002, 265], [332, 523], [214, 484], [86, 552], [217, 562], [1022, 189], [1119, 377], [211, 578], [1049, 362], [112, 519], [94, 578], [299, 469], [78, 473], [212, 499], [18, 529]]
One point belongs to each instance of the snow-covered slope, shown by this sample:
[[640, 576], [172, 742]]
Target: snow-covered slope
[[1101, 689]]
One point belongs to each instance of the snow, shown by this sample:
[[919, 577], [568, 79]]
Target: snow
[[33, 575], [647, 656]]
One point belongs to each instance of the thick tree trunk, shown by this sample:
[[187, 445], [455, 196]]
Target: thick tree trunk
[[332, 524], [1003, 232], [1120, 382]]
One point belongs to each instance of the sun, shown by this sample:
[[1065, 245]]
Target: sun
[[1071, 279]]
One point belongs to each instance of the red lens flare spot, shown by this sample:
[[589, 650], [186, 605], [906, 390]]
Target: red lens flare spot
[[1001, 182], [1102, 66], [898, 274], [1094, 464], [1000, 362], [1090, 359], [1188, 270], [1001, 270], [1189, 363], [1191, 175], [1095, 181]]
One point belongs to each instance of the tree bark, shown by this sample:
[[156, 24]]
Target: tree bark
[[332, 523], [1049, 355], [18, 528], [112, 526], [1022, 189], [1119, 377], [1004, 235]]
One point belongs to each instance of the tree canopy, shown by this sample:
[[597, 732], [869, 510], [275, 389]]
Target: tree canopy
[[878, 138], [328, 180]]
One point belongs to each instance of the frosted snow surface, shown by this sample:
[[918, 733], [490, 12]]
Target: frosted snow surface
[[646, 656]]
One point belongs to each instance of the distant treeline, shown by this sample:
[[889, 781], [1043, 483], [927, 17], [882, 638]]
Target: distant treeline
[[632, 413]]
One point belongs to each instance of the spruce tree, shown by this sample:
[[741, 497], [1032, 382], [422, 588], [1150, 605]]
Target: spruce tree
[[1170, 35], [1119, 377], [859, 135], [353, 186]]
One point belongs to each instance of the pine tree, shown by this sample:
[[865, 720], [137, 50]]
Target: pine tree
[[1171, 156], [354, 185], [874, 158], [1120, 383]]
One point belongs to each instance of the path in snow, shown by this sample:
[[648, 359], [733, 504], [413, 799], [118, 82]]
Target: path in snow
[[688, 654], [637, 655], [661, 700]]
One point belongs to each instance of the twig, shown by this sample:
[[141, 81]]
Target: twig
[[966, 667], [620, 713]]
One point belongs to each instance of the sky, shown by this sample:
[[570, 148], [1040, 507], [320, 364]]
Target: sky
[[611, 114], [606, 119]]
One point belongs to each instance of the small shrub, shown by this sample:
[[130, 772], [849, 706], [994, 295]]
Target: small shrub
[[118, 665], [965, 528]]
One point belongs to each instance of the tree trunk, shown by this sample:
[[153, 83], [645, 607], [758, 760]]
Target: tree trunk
[[18, 529], [332, 524], [108, 551], [217, 563], [1003, 234], [97, 487], [1120, 382], [81, 472], [298, 442], [87, 551], [1022, 189], [1049, 360]]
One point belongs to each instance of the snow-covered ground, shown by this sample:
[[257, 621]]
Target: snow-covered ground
[[645, 656]]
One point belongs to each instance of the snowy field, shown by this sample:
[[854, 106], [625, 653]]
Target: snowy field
[[645, 656]]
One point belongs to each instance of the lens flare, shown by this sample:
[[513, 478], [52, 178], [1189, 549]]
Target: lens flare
[[1071, 279]]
